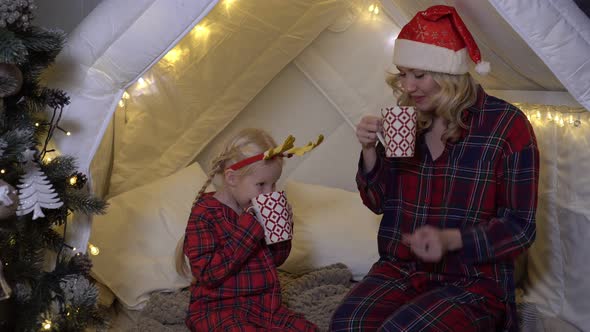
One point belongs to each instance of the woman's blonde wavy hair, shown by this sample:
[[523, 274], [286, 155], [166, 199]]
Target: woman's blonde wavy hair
[[457, 93], [246, 143]]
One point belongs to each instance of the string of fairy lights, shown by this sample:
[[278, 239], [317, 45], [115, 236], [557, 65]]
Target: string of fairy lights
[[537, 116], [560, 116]]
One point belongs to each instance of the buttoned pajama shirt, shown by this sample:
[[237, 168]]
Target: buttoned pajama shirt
[[237, 287], [484, 185]]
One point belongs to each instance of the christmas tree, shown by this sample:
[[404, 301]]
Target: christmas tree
[[44, 283]]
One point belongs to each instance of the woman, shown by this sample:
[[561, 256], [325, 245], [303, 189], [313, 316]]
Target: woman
[[457, 213]]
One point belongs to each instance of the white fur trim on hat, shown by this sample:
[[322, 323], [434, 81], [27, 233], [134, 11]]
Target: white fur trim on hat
[[416, 55], [483, 68]]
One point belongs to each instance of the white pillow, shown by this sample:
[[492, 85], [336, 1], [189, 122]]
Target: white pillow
[[330, 226], [137, 236]]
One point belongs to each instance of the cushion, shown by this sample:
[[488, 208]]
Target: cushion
[[137, 236], [330, 226]]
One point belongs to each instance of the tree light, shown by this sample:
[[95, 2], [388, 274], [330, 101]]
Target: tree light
[[73, 180], [47, 324]]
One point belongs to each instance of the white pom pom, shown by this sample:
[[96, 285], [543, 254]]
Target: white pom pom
[[483, 68]]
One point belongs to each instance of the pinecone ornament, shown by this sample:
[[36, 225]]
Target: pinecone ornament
[[56, 98], [82, 263], [78, 180]]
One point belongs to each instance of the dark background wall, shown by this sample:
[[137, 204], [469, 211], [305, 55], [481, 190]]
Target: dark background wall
[[63, 14]]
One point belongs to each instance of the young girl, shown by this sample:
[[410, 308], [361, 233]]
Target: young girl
[[236, 284]]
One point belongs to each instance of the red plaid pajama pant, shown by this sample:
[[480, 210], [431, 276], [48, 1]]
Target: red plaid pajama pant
[[247, 319], [387, 300]]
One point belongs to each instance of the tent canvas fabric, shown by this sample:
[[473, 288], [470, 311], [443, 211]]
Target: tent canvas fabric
[[159, 84]]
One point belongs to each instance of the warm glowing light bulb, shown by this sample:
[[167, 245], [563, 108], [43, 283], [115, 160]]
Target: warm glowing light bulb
[[49, 159], [74, 249], [68, 133], [376, 11], [121, 103], [37, 124], [200, 30], [73, 180], [125, 95], [174, 55], [47, 324], [371, 8], [3, 171], [93, 250]]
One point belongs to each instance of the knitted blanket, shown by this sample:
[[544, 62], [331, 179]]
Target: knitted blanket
[[315, 294]]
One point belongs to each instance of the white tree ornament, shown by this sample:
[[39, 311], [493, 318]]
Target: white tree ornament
[[35, 191], [8, 200], [4, 196]]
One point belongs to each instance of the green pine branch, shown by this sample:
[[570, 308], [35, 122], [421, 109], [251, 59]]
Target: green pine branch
[[12, 49], [40, 40], [60, 169], [47, 283], [84, 202]]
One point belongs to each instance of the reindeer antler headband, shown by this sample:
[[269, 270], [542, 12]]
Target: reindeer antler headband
[[287, 149]]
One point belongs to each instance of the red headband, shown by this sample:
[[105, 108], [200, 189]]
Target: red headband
[[251, 160], [286, 149]]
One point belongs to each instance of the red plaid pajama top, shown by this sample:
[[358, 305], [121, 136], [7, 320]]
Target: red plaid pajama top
[[485, 185], [237, 287]]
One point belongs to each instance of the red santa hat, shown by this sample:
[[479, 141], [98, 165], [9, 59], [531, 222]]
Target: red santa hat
[[436, 39]]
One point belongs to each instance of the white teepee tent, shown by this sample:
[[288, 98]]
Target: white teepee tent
[[157, 84]]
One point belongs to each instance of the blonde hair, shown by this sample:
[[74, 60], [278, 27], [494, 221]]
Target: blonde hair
[[246, 143], [457, 93]]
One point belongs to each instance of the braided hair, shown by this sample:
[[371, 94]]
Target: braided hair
[[246, 143]]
